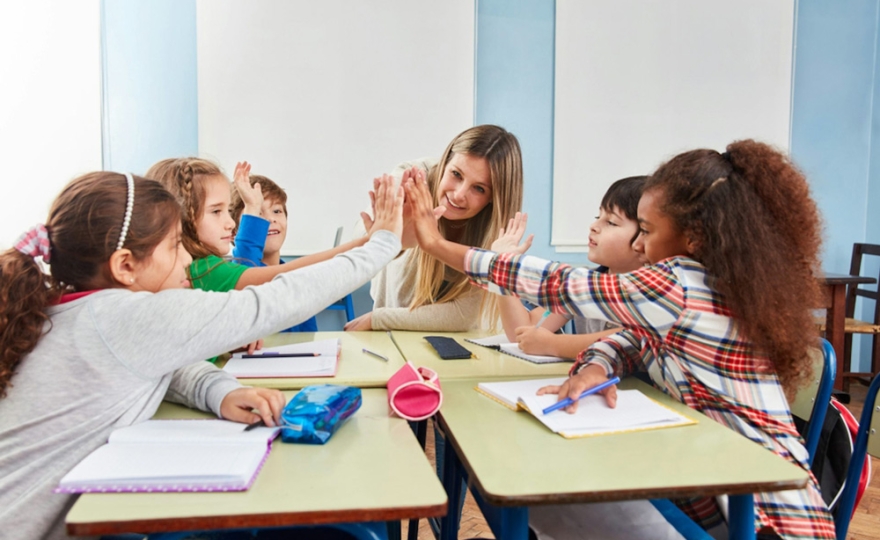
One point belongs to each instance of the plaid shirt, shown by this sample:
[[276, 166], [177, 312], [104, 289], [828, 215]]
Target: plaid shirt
[[679, 329]]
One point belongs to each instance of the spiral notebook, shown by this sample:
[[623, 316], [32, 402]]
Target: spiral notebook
[[500, 343], [173, 455], [634, 411]]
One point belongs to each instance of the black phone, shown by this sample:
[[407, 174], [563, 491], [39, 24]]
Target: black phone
[[448, 348]]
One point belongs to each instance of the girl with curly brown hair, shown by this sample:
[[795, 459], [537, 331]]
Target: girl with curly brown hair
[[721, 320]]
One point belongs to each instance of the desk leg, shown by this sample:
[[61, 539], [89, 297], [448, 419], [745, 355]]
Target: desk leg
[[835, 322], [452, 481], [507, 523], [420, 429], [742, 517]]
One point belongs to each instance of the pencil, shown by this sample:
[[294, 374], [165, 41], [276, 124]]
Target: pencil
[[568, 401]]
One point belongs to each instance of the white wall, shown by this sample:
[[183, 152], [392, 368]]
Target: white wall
[[50, 105], [323, 96], [639, 81]]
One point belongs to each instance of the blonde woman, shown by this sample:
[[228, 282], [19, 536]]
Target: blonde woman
[[480, 182]]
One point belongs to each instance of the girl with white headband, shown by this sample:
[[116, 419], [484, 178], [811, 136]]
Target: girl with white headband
[[114, 329]]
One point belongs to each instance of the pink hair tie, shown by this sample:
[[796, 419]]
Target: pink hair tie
[[35, 242]]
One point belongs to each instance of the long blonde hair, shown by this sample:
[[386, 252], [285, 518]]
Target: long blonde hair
[[185, 178], [501, 151]]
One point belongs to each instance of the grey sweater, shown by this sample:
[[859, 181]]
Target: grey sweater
[[111, 357]]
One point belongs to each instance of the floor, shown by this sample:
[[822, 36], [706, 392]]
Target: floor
[[865, 524]]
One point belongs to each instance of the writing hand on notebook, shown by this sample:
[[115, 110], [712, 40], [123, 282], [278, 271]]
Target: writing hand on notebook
[[572, 388], [509, 238], [239, 405], [533, 340]]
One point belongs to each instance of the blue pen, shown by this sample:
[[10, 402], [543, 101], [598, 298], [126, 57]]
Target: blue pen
[[568, 401], [543, 318]]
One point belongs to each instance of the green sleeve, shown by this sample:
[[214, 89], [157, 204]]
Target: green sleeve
[[214, 274]]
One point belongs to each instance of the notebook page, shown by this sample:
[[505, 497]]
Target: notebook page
[[492, 341], [309, 366], [509, 392], [185, 467], [324, 347], [513, 350], [634, 410], [191, 431]]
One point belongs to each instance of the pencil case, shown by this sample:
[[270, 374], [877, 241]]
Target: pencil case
[[317, 412], [414, 393]]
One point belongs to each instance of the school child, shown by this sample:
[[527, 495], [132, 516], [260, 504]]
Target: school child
[[479, 180], [205, 194], [611, 238], [259, 238], [721, 320], [114, 330]]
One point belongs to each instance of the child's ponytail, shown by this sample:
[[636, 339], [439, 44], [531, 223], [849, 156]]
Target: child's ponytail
[[25, 292]]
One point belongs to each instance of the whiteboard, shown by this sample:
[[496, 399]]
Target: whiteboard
[[323, 96], [638, 81], [50, 105]]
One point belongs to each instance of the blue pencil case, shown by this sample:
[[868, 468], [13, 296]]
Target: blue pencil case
[[317, 412]]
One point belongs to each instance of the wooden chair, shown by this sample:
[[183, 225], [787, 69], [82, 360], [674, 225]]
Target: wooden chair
[[856, 326]]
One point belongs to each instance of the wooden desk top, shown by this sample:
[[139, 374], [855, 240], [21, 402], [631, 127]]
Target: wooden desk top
[[356, 368], [489, 364], [373, 469], [514, 460]]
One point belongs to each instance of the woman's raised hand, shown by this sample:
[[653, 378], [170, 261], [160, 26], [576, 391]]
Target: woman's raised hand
[[421, 209], [509, 239], [387, 206], [251, 195]]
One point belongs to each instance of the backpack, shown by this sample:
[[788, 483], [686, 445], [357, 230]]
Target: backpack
[[834, 453]]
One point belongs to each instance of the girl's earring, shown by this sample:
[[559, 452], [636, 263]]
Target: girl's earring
[[131, 281]]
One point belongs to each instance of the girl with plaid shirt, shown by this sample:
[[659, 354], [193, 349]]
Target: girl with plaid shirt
[[722, 318]]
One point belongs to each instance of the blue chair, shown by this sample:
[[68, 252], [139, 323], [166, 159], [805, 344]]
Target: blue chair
[[866, 443], [345, 304], [810, 404]]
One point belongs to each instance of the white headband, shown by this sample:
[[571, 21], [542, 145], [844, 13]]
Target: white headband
[[129, 204]]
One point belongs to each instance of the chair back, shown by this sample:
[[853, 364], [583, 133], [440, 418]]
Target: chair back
[[855, 269], [867, 442], [812, 400]]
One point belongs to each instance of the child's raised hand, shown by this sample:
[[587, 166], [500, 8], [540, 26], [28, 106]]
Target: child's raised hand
[[251, 195], [387, 206], [588, 377], [408, 238], [421, 209], [509, 239], [240, 404]]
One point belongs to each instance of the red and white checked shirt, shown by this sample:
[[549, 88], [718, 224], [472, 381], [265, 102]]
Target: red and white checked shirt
[[679, 329]]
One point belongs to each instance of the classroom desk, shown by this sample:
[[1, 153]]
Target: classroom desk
[[356, 368], [834, 302], [513, 461], [489, 364], [371, 470]]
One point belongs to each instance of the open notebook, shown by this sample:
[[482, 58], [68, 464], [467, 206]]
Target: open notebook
[[501, 343], [173, 455], [634, 412], [323, 365]]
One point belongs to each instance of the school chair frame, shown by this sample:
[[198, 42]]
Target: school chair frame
[[855, 326], [811, 404], [867, 434], [343, 304]]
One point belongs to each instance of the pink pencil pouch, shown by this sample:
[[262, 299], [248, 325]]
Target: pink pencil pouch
[[414, 393]]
